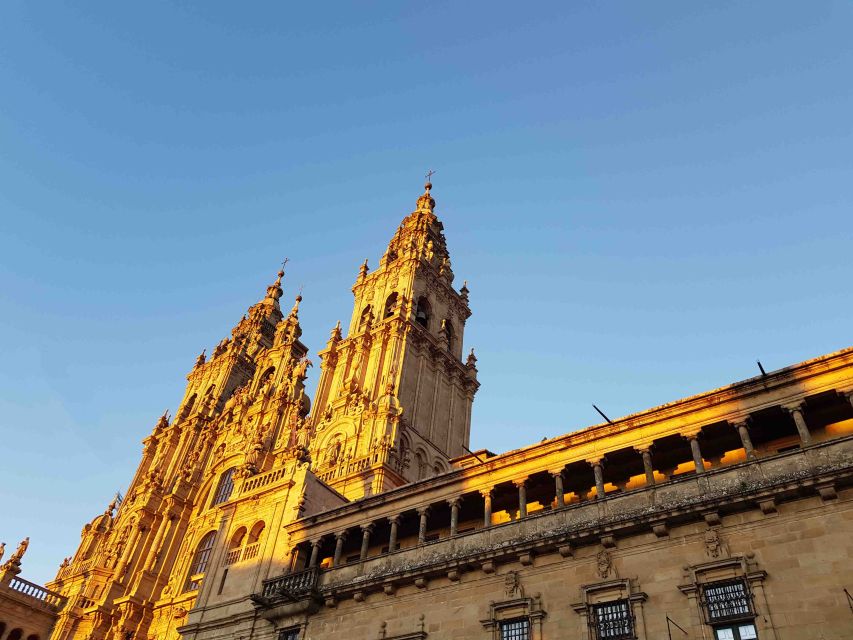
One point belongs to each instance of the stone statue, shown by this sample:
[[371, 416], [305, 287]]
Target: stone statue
[[201, 359], [15, 558], [2, 549], [334, 452]]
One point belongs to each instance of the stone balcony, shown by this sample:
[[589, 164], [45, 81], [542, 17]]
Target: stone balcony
[[819, 469]]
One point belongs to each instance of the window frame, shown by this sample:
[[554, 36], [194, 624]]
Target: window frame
[[200, 562], [224, 487], [735, 629], [619, 606], [506, 632], [743, 605]]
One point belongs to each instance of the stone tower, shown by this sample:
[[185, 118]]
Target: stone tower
[[141, 564], [393, 403]]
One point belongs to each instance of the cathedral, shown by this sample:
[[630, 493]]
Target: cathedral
[[256, 513]]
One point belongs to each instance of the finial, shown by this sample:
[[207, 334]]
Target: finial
[[364, 269], [336, 332], [294, 312], [426, 202]]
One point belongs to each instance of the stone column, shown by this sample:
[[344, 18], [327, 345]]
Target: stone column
[[154, 553], [487, 506], [598, 472], [127, 553], [340, 538], [743, 432], [366, 529], [423, 512], [696, 451], [559, 492], [394, 521], [315, 552], [522, 497], [454, 514], [646, 452], [796, 411]]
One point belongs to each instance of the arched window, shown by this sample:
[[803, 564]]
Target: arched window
[[32, 636], [253, 542], [423, 312], [2, 629], [450, 333], [224, 487], [256, 532], [235, 546], [200, 562], [266, 375], [364, 321], [420, 465], [390, 303], [15, 634]]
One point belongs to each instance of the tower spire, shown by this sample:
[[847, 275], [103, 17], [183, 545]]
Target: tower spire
[[274, 291]]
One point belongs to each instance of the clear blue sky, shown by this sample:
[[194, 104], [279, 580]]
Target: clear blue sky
[[644, 198]]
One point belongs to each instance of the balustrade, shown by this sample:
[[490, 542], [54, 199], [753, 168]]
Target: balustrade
[[25, 587], [291, 585]]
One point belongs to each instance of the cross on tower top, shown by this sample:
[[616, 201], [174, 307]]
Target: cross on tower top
[[429, 175]]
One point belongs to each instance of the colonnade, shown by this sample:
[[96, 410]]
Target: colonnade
[[517, 506]]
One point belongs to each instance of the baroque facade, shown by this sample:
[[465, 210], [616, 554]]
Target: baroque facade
[[254, 514]]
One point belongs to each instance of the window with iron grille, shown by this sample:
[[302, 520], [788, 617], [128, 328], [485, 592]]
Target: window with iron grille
[[612, 620], [726, 600], [224, 488], [518, 629], [288, 634]]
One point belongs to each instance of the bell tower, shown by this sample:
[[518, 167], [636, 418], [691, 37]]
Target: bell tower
[[393, 403]]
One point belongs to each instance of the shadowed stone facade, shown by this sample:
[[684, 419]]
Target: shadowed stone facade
[[254, 515]]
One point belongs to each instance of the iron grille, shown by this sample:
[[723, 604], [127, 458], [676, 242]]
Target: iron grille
[[613, 620], [726, 600], [288, 634], [515, 629]]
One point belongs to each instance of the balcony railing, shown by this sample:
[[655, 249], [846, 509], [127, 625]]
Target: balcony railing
[[52, 600], [291, 586]]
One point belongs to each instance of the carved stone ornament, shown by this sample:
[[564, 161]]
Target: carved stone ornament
[[604, 564], [512, 585], [715, 546]]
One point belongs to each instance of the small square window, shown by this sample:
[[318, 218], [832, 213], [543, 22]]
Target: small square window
[[289, 634], [736, 632], [726, 600], [518, 629], [613, 620]]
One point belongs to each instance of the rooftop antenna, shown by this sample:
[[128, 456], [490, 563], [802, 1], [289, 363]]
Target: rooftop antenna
[[473, 454], [763, 372], [601, 413]]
